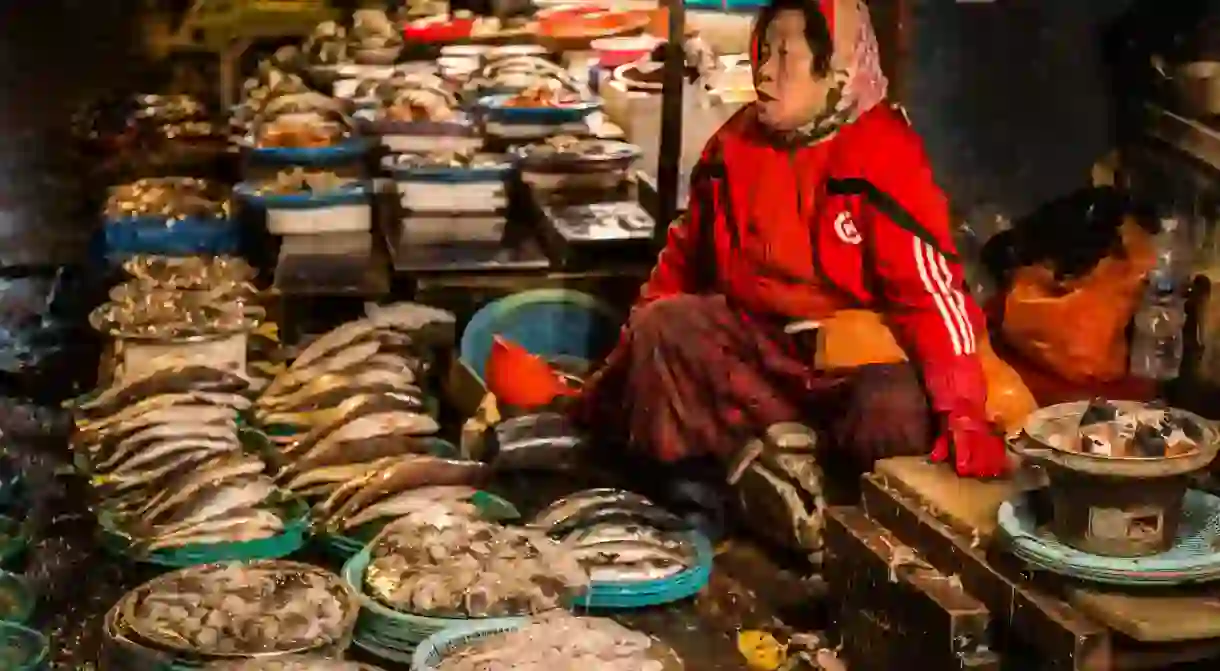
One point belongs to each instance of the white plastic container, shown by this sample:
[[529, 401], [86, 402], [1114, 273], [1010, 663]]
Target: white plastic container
[[344, 218], [327, 244], [139, 355], [423, 144], [441, 230], [448, 198]]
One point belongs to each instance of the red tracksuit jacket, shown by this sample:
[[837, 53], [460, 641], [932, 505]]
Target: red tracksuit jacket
[[855, 221]]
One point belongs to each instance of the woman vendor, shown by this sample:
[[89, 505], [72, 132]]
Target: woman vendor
[[814, 227]]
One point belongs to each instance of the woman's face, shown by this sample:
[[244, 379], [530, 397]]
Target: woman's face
[[790, 95]]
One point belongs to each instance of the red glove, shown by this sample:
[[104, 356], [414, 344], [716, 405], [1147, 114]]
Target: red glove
[[957, 389]]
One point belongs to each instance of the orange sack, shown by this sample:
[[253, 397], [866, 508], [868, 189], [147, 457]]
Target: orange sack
[[1076, 328]]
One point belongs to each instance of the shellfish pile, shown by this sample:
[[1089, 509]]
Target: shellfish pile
[[559, 641], [235, 609], [437, 563]]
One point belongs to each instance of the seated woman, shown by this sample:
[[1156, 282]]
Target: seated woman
[[813, 221]]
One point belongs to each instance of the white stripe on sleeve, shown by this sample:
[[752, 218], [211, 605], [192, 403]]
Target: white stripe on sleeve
[[957, 303], [922, 262]]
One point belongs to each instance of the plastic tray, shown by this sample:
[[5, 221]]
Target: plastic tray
[[33, 644], [180, 237], [497, 172], [22, 596], [348, 150], [495, 109], [348, 194], [645, 593]]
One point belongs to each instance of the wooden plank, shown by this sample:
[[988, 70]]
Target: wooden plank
[[899, 612], [968, 506], [1068, 639], [1162, 617]]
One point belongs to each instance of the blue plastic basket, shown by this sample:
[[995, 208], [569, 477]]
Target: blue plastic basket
[[734, 6], [495, 108], [431, 652], [548, 322], [126, 236], [348, 194], [349, 150], [385, 629], [645, 593], [452, 175]]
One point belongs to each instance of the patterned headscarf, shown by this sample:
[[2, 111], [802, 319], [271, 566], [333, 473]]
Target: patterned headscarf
[[858, 84]]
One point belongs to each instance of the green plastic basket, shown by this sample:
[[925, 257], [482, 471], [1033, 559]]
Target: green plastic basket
[[296, 528], [342, 548], [385, 630], [29, 645], [431, 652], [18, 598]]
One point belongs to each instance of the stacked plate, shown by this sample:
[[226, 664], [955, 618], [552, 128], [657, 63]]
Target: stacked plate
[[1192, 559]]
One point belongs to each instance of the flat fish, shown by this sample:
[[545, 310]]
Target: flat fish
[[406, 502], [218, 501], [229, 468], [609, 533], [96, 422], [263, 520], [331, 389], [431, 326], [333, 340], [161, 451], [361, 425], [349, 489], [243, 533], [347, 412], [370, 437], [186, 415], [633, 572], [224, 430], [573, 504], [175, 379], [627, 552], [173, 466], [334, 474], [410, 473], [337, 361]]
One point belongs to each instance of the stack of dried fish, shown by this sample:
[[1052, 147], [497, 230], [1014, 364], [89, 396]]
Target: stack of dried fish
[[619, 536], [167, 198], [448, 565], [559, 641], [350, 420], [241, 610], [167, 461]]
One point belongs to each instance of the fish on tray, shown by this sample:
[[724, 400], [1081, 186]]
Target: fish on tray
[[389, 410], [97, 421], [173, 378], [407, 473]]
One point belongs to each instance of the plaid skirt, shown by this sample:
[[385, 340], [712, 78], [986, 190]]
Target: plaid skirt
[[697, 377]]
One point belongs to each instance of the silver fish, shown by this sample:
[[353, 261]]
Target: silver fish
[[239, 533], [344, 492], [370, 437], [316, 394], [174, 465], [235, 401], [347, 412], [297, 376], [336, 474], [572, 505], [255, 519], [174, 414], [224, 469], [219, 501], [626, 552], [174, 377], [633, 572], [405, 502], [222, 430], [160, 451], [410, 472], [338, 337]]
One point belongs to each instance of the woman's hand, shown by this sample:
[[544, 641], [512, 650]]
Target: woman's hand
[[976, 451]]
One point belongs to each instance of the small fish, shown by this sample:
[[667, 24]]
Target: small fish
[[410, 472], [174, 377], [620, 513], [159, 451], [329, 474], [633, 572], [174, 414], [608, 533], [299, 375], [218, 470], [626, 552], [573, 504], [218, 501], [181, 534], [409, 501], [125, 449]]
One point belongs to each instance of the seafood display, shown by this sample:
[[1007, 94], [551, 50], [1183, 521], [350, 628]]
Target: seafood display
[[351, 423], [1107, 430], [170, 314], [300, 180], [559, 641], [167, 198], [441, 563], [523, 73], [166, 459], [544, 93], [374, 38], [188, 272], [618, 536], [448, 159], [235, 609]]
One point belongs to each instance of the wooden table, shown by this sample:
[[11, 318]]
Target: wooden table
[[951, 523]]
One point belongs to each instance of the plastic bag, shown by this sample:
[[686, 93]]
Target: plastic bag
[[1076, 328], [853, 338]]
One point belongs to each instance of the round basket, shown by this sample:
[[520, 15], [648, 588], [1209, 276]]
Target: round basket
[[296, 529], [431, 652], [32, 646], [496, 108], [645, 593], [126, 648], [382, 630], [547, 322], [349, 150], [17, 598], [14, 537]]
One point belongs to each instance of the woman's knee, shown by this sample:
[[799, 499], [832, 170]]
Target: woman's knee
[[887, 413], [664, 318]]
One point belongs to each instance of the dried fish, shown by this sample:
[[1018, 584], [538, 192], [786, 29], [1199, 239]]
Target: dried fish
[[573, 504], [244, 526], [411, 501], [168, 376], [369, 437], [410, 472]]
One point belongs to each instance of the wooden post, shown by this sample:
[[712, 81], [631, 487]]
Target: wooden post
[[669, 163]]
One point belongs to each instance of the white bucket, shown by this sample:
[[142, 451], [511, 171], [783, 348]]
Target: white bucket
[[224, 351], [329, 219]]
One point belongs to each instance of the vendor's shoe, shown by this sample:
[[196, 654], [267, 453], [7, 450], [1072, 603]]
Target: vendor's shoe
[[779, 488]]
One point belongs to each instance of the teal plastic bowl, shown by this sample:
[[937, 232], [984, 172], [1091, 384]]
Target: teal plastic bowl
[[22, 648], [17, 598], [296, 528]]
